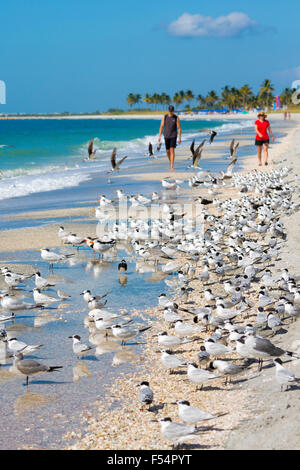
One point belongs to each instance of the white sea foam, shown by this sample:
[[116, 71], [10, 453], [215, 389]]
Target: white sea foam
[[24, 181], [29, 184]]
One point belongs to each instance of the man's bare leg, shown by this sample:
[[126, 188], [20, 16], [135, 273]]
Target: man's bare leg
[[168, 154], [172, 158]]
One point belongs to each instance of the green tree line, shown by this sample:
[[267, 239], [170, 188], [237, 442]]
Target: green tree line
[[230, 97]]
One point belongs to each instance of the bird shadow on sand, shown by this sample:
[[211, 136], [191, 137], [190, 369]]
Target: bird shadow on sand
[[157, 408], [48, 382], [191, 447]]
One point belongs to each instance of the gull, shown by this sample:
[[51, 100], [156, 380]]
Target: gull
[[203, 355], [228, 174], [115, 166], [216, 349], [79, 348], [203, 201], [171, 316], [170, 361], [170, 341], [14, 304], [122, 266], [184, 329], [91, 151], [150, 150], [262, 348], [29, 367], [11, 280], [104, 324], [284, 376], [226, 368], [87, 295], [41, 282], [177, 433], [273, 322], [62, 295], [233, 149], [192, 415], [168, 183], [95, 303], [102, 246], [204, 275], [62, 233], [121, 196], [145, 393], [75, 240], [199, 376], [19, 346], [124, 333], [197, 154], [51, 257], [41, 298]]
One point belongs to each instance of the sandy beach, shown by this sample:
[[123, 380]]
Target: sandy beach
[[255, 397]]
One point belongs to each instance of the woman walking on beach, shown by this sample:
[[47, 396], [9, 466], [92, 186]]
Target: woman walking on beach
[[262, 140], [171, 125]]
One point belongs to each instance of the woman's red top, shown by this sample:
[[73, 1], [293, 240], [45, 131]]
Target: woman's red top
[[262, 127]]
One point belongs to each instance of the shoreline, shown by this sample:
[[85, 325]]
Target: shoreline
[[208, 117], [101, 428]]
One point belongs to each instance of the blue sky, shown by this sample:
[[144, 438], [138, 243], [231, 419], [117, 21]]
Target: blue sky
[[70, 55]]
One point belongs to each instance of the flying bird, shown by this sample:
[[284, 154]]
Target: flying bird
[[212, 136], [198, 153], [91, 151], [114, 164]]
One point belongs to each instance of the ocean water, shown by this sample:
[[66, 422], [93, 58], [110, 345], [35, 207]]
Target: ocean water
[[47, 155]]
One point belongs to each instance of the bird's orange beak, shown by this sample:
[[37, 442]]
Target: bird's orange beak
[[38, 249]]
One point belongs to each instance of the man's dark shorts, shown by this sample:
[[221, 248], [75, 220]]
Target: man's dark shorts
[[170, 142], [261, 142]]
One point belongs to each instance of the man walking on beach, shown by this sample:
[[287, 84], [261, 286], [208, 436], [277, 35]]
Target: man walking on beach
[[171, 125]]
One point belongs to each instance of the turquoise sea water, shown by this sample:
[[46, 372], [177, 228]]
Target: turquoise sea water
[[47, 155]]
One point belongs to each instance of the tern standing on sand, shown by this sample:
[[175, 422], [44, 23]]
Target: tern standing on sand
[[170, 123]]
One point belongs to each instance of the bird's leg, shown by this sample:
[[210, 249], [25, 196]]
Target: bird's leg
[[27, 380]]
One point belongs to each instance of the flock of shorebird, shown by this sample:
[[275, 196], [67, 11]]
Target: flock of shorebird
[[230, 251]]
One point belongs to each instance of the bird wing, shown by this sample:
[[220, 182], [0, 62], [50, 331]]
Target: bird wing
[[90, 147], [120, 162], [231, 147], [212, 136], [150, 148], [113, 158], [192, 147], [235, 150], [196, 157], [230, 167]]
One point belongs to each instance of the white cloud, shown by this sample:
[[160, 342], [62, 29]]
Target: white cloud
[[224, 26]]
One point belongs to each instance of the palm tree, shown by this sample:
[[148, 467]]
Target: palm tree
[[201, 101], [266, 93], [177, 99], [246, 93], [211, 99], [189, 96], [137, 98], [130, 99], [286, 96], [147, 99]]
